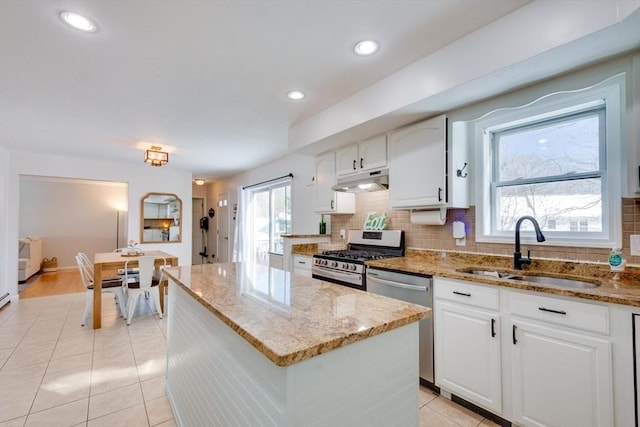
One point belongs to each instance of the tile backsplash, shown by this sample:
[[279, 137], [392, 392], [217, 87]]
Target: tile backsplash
[[440, 237]]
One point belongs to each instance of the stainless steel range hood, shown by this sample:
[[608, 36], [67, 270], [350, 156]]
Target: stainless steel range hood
[[363, 182]]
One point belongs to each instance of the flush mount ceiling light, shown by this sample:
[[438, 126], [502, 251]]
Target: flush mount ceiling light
[[365, 47], [199, 181], [155, 157], [78, 22], [295, 95]]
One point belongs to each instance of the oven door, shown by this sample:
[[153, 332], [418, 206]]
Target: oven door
[[346, 278]]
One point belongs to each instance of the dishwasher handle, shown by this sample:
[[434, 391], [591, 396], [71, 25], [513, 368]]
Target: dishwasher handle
[[395, 284]]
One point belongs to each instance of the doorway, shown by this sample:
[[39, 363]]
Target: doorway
[[223, 227], [199, 235]]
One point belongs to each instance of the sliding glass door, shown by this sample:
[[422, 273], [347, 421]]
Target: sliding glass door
[[269, 217]]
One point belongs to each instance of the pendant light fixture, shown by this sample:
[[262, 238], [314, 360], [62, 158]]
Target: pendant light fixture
[[155, 157]]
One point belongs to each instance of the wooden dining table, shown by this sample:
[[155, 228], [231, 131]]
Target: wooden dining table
[[116, 260]]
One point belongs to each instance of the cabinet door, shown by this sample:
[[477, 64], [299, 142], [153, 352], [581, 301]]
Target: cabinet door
[[325, 179], [326, 200], [151, 210], [347, 162], [467, 354], [417, 165], [372, 153], [560, 378]]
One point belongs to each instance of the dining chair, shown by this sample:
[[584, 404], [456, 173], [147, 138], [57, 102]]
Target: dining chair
[[109, 284], [144, 283]]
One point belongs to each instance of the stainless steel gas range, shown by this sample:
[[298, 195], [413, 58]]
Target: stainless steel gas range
[[346, 267]]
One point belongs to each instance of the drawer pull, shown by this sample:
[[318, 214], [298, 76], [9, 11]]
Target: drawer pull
[[493, 328], [302, 262], [549, 310], [513, 334], [461, 293]]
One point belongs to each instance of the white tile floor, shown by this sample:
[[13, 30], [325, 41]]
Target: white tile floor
[[54, 372]]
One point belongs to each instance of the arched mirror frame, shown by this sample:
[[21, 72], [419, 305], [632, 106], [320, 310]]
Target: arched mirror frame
[[160, 228]]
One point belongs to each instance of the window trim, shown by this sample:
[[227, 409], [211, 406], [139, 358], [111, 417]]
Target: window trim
[[610, 92]]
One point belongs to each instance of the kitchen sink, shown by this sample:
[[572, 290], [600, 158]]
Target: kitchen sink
[[544, 280], [556, 281]]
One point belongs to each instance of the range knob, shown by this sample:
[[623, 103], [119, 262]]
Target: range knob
[[325, 262], [334, 264], [352, 267], [345, 266]]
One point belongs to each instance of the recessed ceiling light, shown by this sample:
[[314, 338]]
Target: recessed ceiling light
[[366, 47], [78, 21], [295, 94]]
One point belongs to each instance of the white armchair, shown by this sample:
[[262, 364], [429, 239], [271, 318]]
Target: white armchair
[[29, 257]]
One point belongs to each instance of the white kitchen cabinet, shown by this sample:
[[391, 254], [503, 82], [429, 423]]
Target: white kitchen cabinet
[[561, 371], [328, 201], [535, 360], [467, 342], [361, 157], [633, 139], [423, 167], [302, 265], [560, 378], [151, 210]]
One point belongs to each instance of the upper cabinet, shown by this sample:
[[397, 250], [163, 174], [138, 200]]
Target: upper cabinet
[[361, 157], [633, 138], [327, 200], [427, 170]]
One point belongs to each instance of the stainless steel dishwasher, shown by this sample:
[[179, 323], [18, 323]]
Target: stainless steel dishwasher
[[417, 289]]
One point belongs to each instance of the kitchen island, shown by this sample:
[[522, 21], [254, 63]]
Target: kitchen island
[[251, 345]]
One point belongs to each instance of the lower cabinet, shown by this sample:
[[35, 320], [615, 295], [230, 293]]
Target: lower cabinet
[[531, 359], [302, 265], [468, 354], [560, 378]]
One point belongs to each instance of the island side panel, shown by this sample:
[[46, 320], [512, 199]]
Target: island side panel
[[214, 377], [373, 382]]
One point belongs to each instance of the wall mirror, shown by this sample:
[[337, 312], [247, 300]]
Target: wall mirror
[[161, 220]]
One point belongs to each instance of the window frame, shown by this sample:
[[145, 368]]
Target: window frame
[[610, 94]]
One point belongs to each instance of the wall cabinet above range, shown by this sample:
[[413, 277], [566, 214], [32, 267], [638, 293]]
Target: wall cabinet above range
[[361, 157], [426, 168]]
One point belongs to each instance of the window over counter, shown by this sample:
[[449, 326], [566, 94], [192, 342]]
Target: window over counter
[[557, 159]]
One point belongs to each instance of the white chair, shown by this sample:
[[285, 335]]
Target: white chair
[[109, 284], [146, 283]]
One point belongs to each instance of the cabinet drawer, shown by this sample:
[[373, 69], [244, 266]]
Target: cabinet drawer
[[573, 314], [466, 293], [302, 262]]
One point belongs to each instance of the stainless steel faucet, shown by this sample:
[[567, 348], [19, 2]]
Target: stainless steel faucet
[[518, 259]]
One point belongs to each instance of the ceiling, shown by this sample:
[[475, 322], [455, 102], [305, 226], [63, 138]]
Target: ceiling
[[205, 80]]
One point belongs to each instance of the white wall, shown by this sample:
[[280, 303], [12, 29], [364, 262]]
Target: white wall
[[72, 216], [4, 225], [141, 179]]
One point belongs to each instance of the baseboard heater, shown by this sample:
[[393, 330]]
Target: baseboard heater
[[4, 299]]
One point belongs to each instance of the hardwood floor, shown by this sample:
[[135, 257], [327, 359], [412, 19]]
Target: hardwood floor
[[55, 283]]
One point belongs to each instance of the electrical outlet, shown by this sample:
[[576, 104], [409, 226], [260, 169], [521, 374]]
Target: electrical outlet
[[635, 244], [343, 233]]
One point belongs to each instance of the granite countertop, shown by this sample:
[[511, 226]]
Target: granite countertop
[[619, 288], [290, 318], [308, 249]]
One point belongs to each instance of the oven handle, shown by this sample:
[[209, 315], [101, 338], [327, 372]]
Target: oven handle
[[394, 284]]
